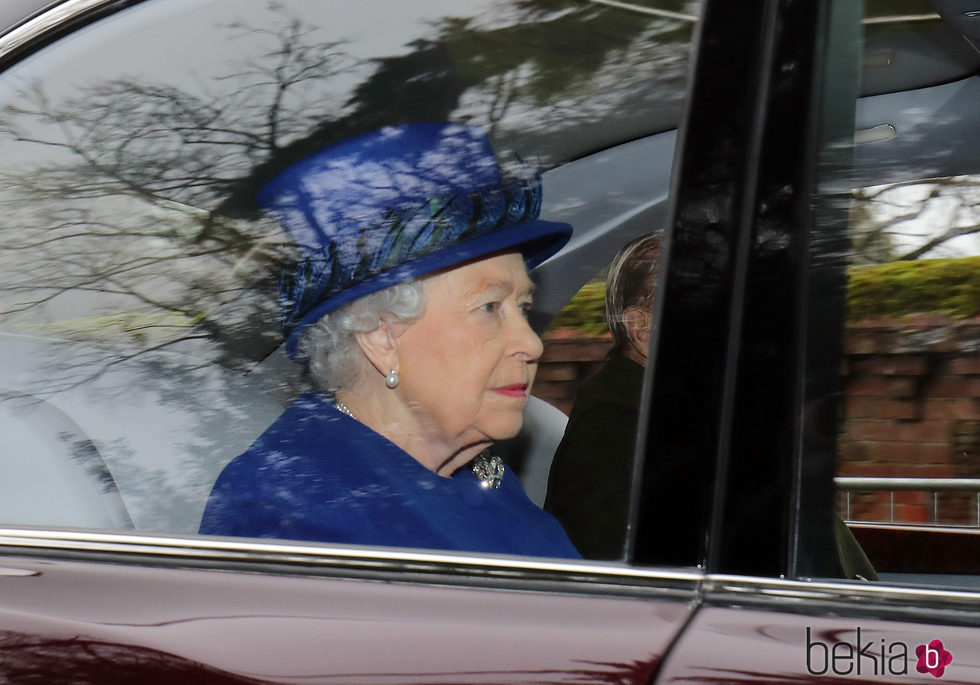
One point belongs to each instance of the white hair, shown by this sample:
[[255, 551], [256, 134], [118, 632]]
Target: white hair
[[330, 345]]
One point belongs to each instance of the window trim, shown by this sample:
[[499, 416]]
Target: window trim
[[52, 23], [315, 559], [852, 599]]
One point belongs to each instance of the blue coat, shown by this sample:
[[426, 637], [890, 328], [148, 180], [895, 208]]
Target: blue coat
[[317, 474]]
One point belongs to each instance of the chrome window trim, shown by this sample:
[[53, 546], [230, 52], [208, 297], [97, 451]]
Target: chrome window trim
[[842, 598], [280, 554], [713, 589], [48, 22], [915, 527]]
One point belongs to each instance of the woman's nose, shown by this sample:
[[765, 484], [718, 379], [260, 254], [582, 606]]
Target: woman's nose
[[527, 344]]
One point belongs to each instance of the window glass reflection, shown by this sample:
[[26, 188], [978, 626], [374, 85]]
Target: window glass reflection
[[908, 480], [139, 277]]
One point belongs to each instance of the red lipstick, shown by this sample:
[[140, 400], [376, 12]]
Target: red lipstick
[[516, 390]]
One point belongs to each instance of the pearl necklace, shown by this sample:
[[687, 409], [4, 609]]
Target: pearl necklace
[[343, 409]]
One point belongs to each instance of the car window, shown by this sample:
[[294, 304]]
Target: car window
[[905, 197], [143, 281]]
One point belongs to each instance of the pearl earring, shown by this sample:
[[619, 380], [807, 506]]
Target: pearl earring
[[391, 380]]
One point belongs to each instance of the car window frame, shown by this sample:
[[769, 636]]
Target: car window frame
[[784, 121], [163, 550]]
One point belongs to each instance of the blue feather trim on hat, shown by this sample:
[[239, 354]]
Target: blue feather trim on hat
[[402, 237]]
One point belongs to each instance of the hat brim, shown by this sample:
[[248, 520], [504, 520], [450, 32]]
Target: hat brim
[[537, 240]]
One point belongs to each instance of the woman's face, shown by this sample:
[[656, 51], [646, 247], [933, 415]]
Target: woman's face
[[466, 366]]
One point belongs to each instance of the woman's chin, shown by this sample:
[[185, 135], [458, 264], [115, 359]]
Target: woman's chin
[[505, 427]]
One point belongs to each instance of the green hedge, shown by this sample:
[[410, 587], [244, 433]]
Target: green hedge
[[585, 311], [927, 286]]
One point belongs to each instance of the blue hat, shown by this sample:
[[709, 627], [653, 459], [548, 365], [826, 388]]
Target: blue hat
[[391, 205]]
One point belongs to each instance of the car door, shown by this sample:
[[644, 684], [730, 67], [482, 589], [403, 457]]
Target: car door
[[141, 346], [803, 117]]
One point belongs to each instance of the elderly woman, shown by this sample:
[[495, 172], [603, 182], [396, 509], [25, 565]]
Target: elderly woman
[[410, 309]]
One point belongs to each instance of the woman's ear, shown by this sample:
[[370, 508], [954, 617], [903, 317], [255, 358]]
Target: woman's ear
[[380, 346]]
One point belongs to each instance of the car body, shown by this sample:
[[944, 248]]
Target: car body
[[118, 416]]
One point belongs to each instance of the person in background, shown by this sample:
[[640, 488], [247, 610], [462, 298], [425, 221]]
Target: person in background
[[589, 484], [590, 481]]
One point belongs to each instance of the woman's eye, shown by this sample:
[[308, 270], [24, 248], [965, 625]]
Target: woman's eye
[[490, 307], [526, 308]]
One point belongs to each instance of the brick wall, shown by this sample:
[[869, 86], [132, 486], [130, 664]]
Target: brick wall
[[567, 361], [911, 408]]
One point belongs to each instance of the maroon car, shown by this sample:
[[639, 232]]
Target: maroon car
[[814, 362]]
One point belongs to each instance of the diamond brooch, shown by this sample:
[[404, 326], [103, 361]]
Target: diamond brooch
[[489, 470]]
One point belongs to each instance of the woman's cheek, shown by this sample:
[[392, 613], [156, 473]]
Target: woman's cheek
[[478, 331], [490, 330]]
